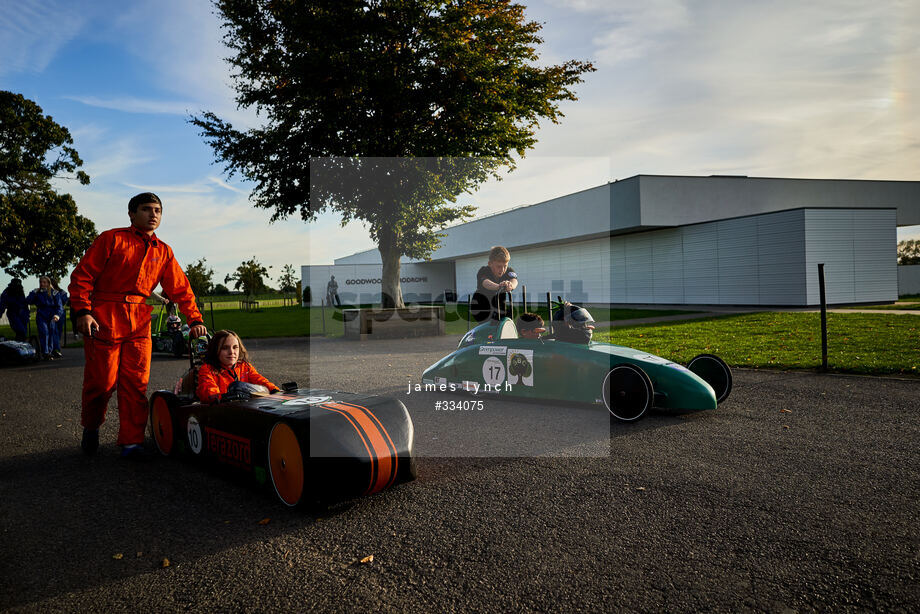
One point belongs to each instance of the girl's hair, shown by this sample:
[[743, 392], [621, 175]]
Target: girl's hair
[[212, 357], [50, 289]]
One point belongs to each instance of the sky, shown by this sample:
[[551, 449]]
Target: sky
[[822, 90]]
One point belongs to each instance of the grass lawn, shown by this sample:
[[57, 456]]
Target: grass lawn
[[857, 343], [270, 322]]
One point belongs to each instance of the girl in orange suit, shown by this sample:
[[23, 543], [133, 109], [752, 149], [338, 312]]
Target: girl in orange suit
[[108, 290], [226, 362]]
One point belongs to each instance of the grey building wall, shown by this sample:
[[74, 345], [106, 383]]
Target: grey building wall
[[908, 279], [646, 202], [697, 240], [768, 259], [859, 250]]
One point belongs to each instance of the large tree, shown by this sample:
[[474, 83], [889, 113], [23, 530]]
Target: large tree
[[41, 232], [249, 276], [354, 88]]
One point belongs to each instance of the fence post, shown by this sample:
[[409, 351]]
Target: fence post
[[823, 316], [323, 304]]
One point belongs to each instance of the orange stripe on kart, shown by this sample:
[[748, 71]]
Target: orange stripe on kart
[[382, 458], [392, 448], [363, 437]]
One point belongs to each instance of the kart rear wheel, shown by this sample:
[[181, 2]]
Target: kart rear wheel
[[714, 372], [285, 464], [161, 424], [628, 392]]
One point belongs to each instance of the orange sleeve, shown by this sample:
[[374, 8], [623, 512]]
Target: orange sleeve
[[254, 377], [83, 278], [175, 285], [208, 390]]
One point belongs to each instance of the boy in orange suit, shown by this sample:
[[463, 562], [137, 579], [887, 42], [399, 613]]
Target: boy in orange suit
[[108, 290]]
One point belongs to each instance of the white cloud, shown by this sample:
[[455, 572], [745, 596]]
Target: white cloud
[[32, 33], [188, 55], [220, 182], [114, 158], [130, 104], [781, 89]]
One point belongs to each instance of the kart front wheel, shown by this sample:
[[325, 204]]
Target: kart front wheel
[[628, 392], [285, 464], [714, 372], [161, 424]]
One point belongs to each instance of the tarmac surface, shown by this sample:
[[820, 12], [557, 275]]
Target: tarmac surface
[[799, 493]]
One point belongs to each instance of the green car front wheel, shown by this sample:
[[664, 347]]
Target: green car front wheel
[[628, 392]]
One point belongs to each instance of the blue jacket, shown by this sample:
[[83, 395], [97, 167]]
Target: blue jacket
[[16, 307], [48, 306]]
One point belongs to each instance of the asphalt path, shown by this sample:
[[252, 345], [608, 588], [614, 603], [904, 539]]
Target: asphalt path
[[799, 493]]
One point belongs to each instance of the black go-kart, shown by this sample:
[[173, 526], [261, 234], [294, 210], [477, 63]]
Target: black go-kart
[[17, 352], [311, 446]]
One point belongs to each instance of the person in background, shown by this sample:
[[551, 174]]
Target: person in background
[[13, 302], [226, 362], [48, 311], [493, 282], [332, 293], [61, 322], [530, 326]]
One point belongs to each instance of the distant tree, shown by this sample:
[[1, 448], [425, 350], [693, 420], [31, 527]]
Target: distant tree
[[287, 282], [358, 88], [199, 277], [909, 251], [220, 290], [250, 277], [41, 232]]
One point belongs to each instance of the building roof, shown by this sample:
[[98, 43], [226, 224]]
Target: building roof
[[646, 202]]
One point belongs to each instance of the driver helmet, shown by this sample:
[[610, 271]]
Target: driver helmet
[[575, 323]]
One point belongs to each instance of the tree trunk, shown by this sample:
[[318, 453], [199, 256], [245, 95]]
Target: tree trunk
[[391, 292]]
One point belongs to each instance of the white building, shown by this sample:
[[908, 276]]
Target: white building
[[672, 240]]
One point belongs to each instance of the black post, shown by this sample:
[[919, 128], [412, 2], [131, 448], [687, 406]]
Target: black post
[[524, 299], [823, 317], [323, 304], [549, 312], [213, 327], [469, 309]]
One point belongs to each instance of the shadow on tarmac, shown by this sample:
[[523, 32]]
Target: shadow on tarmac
[[73, 523]]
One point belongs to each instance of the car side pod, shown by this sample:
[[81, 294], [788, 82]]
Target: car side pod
[[308, 446]]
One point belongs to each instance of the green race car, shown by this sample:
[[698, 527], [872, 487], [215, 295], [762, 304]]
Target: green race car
[[169, 335], [568, 366]]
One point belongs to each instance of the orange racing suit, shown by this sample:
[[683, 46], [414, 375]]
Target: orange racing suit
[[112, 281], [214, 381]]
